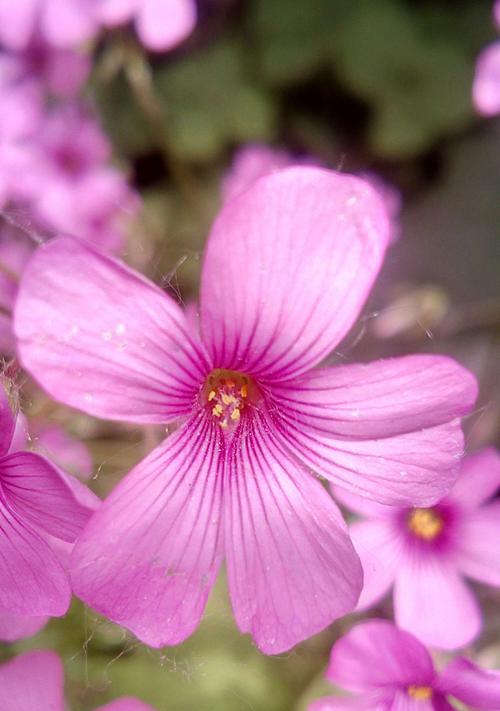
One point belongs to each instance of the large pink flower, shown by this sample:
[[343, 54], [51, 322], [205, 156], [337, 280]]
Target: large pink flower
[[42, 511], [288, 266], [35, 680], [389, 670], [425, 552]]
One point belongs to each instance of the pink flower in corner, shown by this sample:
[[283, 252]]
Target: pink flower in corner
[[160, 24], [426, 552], [389, 670], [288, 266], [41, 512], [486, 86], [37, 677]]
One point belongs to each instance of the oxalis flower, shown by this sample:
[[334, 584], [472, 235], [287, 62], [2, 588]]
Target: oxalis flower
[[41, 513], [426, 552], [389, 670], [288, 265], [35, 680]]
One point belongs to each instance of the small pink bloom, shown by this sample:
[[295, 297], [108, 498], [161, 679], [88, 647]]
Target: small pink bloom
[[160, 24], [496, 13], [389, 670], [40, 511], [35, 680], [486, 86], [426, 552], [288, 266]]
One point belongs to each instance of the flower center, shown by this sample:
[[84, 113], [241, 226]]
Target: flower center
[[425, 523], [420, 693], [227, 393]]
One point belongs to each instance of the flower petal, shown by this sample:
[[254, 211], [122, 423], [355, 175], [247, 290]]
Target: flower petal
[[17, 23], [478, 554], [380, 550], [288, 266], [345, 703], [40, 495], [403, 702], [361, 505], [379, 399], [126, 704], [66, 451], [377, 654], [479, 478], [150, 554], [433, 602], [479, 688], [67, 23], [7, 421], [291, 566], [15, 627], [33, 581], [414, 469], [115, 345], [30, 678], [163, 24]]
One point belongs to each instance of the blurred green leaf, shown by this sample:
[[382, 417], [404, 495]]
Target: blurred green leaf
[[417, 83], [209, 102]]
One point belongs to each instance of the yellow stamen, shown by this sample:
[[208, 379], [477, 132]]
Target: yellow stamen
[[217, 410], [235, 415], [244, 391], [425, 523], [228, 399], [211, 395], [420, 693]]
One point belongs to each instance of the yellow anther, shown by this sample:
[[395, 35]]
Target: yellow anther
[[223, 424], [230, 384], [217, 410], [244, 391], [235, 415], [211, 395], [228, 399], [420, 693], [425, 523]]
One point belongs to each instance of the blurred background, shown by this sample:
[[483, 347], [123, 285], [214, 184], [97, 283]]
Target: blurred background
[[380, 88]]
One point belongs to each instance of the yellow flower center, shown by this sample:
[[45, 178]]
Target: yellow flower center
[[420, 693], [228, 393], [425, 523]]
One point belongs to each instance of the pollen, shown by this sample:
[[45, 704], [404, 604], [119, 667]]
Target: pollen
[[229, 394], [420, 693], [425, 523]]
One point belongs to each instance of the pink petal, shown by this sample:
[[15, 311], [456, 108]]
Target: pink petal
[[119, 347], [403, 702], [33, 581], [380, 551], [414, 469], [20, 437], [288, 266], [479, 688], [163, 24], [14, 627], [7, 421], [31, 678], [37, 493], [337, 703], [126, 704], [67, 23], [291, 566], [376, 654], [433, 602], [361, 505], [486, 87], [116, 12], [479, 478], [478, 554], [380, 399], [251, 162], [149, 556], [67, 452], [17, 23]]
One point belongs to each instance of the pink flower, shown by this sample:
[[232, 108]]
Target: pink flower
[[41, 512], [37, 677], [486, 86], [389, 670], [288, 266], [256, 160], [425, 552], [496, 13], [160, 24]]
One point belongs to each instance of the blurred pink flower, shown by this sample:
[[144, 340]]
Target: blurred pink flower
[[42, 510], [426, 552], [496, 13], [389, 670], [486, 86], [15, 250], [288, 266], [256, 160], [160, 24], [36, 678]]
